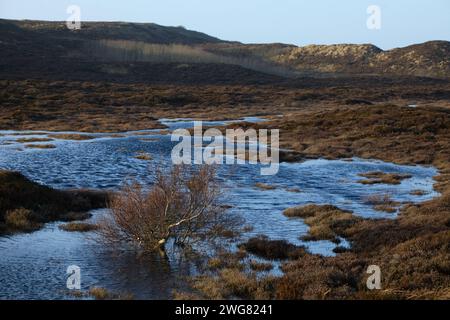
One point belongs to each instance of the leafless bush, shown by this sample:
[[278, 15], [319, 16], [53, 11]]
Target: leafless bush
[[182, 206]]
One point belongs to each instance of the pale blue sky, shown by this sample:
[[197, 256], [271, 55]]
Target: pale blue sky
[[298, 22]]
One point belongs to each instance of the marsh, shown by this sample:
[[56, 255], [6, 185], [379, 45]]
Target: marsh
[[105, 163]]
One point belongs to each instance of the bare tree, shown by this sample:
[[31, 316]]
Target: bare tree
[[181, 205]]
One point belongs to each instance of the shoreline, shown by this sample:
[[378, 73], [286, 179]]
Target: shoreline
[[417, 237], [26, 206], [290, 155]]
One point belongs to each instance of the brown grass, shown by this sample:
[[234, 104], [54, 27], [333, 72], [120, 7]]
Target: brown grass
[[386, 132], [30, 133], [227, 277], [75, 216], [264, 186], [320, 120], [383, 178], [230, 283], [412, 250], [90, 106], [272, 249], [28, 140], [260, 266], [325, 221], [24, 203], [227, 260], [100, 293], [78, 227], [382, 202], [418, 239], [21, 219], [40, 146], [144, 156], [71, 136], [418, 192]]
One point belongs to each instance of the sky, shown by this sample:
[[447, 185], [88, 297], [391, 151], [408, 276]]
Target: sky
[[299, 22]]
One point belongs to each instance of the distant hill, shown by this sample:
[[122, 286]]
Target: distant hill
[[146, 32], [49, 49], [429, 59]]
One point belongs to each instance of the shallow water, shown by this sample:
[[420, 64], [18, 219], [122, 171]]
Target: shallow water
[[33, 265]]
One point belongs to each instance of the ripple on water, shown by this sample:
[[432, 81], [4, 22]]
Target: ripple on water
[[34, 265]]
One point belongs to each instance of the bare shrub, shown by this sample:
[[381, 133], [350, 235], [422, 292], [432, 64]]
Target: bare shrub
[[182, 206]]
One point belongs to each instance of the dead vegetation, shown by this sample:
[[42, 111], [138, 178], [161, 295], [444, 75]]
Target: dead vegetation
[[382, 202], [97, 106], [29, 140], [271, 249], [418, 192], [383, 178], [40, 146], [99, 293], [264, 186], [325, 221], [78, 227], [144, 156], [21, 219], [231, 276], [71, 136], [342, 120], [25, 205], [387, 132], [229, 284], [412, 250], [260, 266]]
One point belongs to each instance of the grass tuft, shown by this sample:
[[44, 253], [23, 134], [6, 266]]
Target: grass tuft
[[377, 177], [272, 249], [78, 227], [264, 186], [40, 146]]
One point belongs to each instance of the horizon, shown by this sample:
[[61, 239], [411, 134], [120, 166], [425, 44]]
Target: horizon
[[257, 22], [248, 43]]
